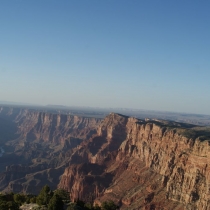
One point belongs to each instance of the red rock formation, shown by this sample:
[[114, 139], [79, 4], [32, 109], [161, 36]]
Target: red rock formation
[[55, 127], [44, 126], [140, 164], [175, 166], [45, 142]]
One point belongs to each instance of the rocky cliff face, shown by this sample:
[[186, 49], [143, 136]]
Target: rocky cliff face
[[183, 162], [155, 155], [55, 127], [140, 164], [40, 143], [35, 125]]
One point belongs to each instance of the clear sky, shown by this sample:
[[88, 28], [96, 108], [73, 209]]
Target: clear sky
[[106, 53]]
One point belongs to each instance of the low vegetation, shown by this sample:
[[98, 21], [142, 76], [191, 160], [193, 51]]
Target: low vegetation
[[49, 200]]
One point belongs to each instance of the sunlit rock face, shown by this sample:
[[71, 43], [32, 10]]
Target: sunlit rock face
[[139, 164], [152, 164]]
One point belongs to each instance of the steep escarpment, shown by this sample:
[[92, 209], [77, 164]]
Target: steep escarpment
[[85, 180], [111, 133], [8, 128], [39, 143], [140, 164], [153, 164], [55, 127], [38, 125], [183, 162]]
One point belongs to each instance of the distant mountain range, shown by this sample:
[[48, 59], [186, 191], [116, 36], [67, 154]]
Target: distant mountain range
[[15, 103]]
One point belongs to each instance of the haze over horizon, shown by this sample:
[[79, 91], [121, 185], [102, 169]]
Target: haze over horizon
[[151, 55]]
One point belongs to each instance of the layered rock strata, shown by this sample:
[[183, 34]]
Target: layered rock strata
[[35, 125], [38, 143], [140, 164], [181, 163]]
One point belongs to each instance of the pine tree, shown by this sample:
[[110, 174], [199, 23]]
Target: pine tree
[[55, 203], [44, 196]]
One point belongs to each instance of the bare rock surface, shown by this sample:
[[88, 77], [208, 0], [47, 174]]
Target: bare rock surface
[[150, 162], [139, 164], [40, 148]]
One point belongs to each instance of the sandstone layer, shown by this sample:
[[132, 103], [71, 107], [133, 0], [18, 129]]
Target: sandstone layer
[[152, 164], [38, 146], [139, 164]]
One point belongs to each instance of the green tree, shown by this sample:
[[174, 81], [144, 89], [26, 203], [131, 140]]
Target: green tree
[[88, 205], [44, 196], [80, 203], [74, 206], [3, 205], [55, 203], [19, 198], [97, 207], [9, 196], [63, 194], [2, 197], [109, 205], [33, 200], [11, 205]]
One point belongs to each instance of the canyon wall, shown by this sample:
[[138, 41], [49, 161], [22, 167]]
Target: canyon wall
[[181, 163], [36, 125], [55, 127], [37, 143], [140, 164]]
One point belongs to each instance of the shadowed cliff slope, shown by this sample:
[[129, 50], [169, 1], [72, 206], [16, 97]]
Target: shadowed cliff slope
[[152, 164], [36, 142], [140, 164]]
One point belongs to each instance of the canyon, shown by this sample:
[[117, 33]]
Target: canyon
[[137, 163]]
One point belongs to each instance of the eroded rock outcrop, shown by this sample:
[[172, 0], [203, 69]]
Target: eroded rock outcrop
[[38, 125], [55, 127], [162, 148], [183, 162], [40, 143], [85, 181], [140, 164]]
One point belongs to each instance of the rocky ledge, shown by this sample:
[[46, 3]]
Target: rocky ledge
[[150, 164]]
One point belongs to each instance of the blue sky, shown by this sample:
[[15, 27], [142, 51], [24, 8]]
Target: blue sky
[[110, 53]]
